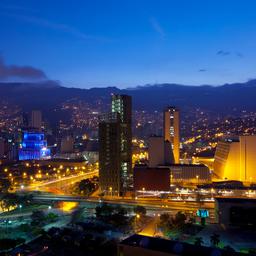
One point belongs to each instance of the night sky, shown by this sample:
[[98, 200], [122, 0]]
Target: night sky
[[122, 43]]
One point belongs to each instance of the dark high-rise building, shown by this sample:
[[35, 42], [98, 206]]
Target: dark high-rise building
[[122, 104], [110, 154], [115, 153], [172, 130]]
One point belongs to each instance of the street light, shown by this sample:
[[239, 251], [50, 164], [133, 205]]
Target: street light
[[137, 217], [20, 207], [110, 189], [197, 177], [212, 191]]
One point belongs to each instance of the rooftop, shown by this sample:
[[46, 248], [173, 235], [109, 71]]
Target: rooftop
[[173, 247]]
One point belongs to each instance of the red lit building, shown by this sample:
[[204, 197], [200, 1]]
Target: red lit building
[[146, 178]]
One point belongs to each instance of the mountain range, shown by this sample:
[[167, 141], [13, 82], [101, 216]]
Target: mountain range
[[221, 99]]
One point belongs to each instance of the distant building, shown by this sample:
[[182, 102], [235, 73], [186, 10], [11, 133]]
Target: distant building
[[235, 159], [67, 145], [236, 212], [189, 173], [155, 151], [2, 148], [36, 120], [12, 151], [153, 179], [159, 151], [205, 157], [172, 130], [33, 147], [25, 120]]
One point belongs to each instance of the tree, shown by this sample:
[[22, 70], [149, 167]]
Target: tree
[[120, 210], [51, 217], [76, 215], [165, 221], [141, 210], [199, 241], [5, 185], [25, 199], [192, 220], [180, 219], [104, 210], [38, 218], [86, 187], [215, 239], [8, 200]]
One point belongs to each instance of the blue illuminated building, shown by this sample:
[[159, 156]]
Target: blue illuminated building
[[33, 146]]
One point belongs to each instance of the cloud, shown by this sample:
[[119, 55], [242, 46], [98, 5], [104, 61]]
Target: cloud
[[22, 72], [157, 27], [228, 53], [223, 53], [57, 26], [239, 55], [202, 70]]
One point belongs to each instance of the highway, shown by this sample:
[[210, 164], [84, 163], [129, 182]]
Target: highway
[[59, 183], [156, 205]]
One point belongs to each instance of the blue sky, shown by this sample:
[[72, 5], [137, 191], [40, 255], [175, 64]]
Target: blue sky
[[122, 43]]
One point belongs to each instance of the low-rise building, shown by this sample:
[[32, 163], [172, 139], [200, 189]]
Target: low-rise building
[[153, 246], [153, 179], [235, 212], [189, 173]]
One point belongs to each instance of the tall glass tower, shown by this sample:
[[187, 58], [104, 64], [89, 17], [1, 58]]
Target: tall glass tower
[[122, 104]]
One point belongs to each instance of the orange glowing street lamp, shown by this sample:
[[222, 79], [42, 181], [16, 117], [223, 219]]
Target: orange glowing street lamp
[[197, 177]]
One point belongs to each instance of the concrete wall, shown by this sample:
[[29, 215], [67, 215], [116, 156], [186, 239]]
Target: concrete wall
[[156, 151]]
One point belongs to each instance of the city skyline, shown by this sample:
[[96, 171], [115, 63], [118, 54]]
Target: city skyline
[[127, 127], [97, 44]]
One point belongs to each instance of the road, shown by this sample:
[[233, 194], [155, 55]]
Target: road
[[150, 228], [149, 204], [59, 183]]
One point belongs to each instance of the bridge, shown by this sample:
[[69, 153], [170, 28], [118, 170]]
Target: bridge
[[59, 185]]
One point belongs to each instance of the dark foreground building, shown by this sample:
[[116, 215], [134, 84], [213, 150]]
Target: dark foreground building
[[236, 212], [110, 154], [152, 246]]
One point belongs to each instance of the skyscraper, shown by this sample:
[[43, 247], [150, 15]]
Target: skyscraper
[[115, 153], [110, 154], [36, 119], [172, 130], [122, 104]]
